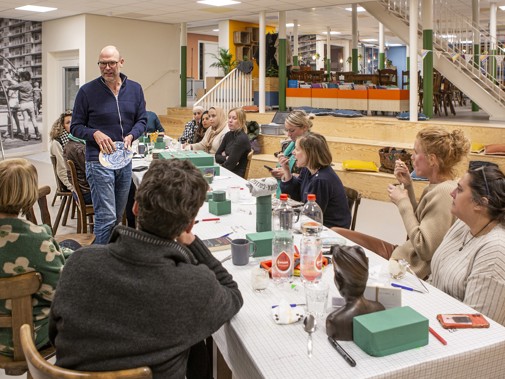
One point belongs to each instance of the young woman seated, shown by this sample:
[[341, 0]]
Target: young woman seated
[[317, 177], [469, 264], [232, 154]]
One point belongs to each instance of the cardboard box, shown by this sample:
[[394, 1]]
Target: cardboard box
[[388, 296], [263, 241], [390, 331]]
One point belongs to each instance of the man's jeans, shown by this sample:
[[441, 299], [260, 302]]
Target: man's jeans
[[109, 191]]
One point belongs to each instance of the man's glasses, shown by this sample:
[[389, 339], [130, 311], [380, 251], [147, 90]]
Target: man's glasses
[[110, 64], [482, 169]]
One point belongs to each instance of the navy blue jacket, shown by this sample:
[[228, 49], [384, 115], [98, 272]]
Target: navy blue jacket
[[329, 191], [96, 108]]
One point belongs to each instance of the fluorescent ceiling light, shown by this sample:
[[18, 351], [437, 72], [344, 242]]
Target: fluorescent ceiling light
[[290, 25], [394, 45], [35, 8], [466, 41], [369, 40], [359, 9], [332, 32], [502, 7], [215, 30], [447, 36], [218, 3]]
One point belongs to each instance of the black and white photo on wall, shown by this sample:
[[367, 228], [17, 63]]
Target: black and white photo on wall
[[20, 83]]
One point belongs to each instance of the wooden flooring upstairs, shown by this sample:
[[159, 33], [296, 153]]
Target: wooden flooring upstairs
[[355, 138]]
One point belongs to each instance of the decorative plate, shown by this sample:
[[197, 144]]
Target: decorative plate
[[118, 159]]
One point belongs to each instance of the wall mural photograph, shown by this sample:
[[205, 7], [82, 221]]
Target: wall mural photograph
[[20, 83]]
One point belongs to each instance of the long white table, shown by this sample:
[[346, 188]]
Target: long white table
[[254, 346]]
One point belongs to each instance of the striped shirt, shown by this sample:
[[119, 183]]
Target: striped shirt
[[476, 274]]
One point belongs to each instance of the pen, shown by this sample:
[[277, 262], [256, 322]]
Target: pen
[[291, 305], [211, 219], [405, 287], [226, 235], [437, 336], [342, 352]]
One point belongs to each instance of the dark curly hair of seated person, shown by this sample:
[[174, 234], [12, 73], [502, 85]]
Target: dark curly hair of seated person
[[169, 197]]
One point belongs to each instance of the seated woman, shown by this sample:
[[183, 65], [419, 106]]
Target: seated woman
[[297, 124], [313, 157], [203, 125], [232, 154], [190, 128], [469, 264], [24, 246], [59, 138], [436, 153], [215, 134]]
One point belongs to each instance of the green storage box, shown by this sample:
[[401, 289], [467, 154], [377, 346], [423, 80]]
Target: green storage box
[[159, 145], [219, 208], [198, 158], [263, 241], [390, 331]]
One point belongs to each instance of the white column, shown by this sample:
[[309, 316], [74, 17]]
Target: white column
[[492, 23], [262, 62], [295, 40], [413, 21], [328, 48], [381, 37], [184, 34], [354, 26]]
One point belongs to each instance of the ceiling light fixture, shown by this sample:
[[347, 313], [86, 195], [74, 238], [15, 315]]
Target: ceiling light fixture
[[332, 33], [35, 8], [218, 3], [215, 30], [502, 7], [359, 9], [369, 40]]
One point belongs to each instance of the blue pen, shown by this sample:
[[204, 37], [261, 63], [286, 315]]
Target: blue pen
[[226, 235], [405, 287], [291, 305]]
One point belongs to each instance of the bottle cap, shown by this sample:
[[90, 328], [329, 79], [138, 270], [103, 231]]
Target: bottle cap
[[284, 196], [311, 197]]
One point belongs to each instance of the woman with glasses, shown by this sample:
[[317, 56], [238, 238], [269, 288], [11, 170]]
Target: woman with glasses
[[215, 134], [232, 154], [436, 154], [203, 125], [297, 124], [190, 128], [469, 264]]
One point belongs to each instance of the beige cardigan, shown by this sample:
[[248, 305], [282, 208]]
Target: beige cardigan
[[215, 143]]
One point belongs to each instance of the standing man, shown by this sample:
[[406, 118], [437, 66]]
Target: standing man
[[108, 109], [151, 294]]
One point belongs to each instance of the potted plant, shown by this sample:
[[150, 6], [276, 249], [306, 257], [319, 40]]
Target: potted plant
[[224, 61]]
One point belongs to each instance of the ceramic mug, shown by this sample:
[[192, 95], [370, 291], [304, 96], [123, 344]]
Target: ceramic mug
[[241, 251]]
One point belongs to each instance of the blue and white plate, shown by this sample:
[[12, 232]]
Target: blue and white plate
[[118, 159]]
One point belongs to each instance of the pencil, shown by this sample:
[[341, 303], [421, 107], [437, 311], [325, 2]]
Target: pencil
[[437, 336]]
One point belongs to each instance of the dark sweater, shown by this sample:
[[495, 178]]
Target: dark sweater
[[329, 191], [236, 146], [96, 108], [139, 301]]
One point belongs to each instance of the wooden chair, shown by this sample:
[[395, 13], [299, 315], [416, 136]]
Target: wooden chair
[[249, 159], [82, 238], [19, 290], [405, 79], [41, 369], [353, 200], [66, 199], [388, 77], [85, 212]]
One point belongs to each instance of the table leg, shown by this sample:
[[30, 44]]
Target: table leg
[[219, 367]]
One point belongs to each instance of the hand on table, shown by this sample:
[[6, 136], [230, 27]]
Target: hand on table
[[104, 142]]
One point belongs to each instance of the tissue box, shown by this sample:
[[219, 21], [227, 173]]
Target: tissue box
[[219, 208], [390, 331], [263, 241], [388, 296]]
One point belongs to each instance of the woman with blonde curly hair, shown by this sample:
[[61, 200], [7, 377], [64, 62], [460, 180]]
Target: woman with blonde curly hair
[[25, 246], [59, 138], [436, 154]]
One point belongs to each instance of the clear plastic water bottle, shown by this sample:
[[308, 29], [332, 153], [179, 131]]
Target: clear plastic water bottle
[[282, 243], [312, 215], [311, 254]]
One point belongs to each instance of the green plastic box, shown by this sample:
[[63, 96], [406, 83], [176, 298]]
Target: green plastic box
[[263, 241], [390, 331], [198, 158], [219, 208]]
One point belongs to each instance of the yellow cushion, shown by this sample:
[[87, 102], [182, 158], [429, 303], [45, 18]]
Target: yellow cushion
[[477, 147], [355, 165]]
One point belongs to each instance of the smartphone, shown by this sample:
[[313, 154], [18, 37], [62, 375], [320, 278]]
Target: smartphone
[[140, 168], [268, 168], [475, 320]]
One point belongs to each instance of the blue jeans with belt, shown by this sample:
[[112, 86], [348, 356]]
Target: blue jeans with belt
[[109, 192]]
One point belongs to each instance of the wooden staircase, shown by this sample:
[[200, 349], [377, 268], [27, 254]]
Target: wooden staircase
[[356, 138]]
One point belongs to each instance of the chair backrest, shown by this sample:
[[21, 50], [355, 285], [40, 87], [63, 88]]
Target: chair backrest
[[42, 369], [249, 158], [405, 79], [44, 210], [60, 187], [388, 76], [84, 210], [19, 290], [75, 182], [353, 200]]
